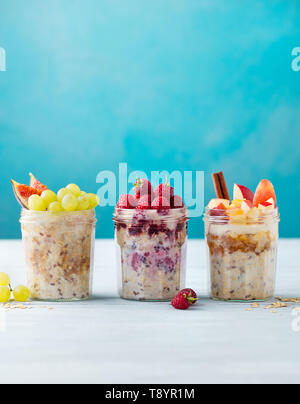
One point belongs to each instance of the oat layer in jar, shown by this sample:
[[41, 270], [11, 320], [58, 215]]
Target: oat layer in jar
[[242, 254], [59, 254], [151, 247]]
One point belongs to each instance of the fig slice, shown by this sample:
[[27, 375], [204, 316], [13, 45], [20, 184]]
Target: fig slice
[[23, 192], [34, 183]]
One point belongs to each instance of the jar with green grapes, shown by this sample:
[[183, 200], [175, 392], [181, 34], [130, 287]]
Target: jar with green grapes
[[58, 233], [59, 253]]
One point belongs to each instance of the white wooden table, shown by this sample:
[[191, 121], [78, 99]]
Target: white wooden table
[[109, 340]]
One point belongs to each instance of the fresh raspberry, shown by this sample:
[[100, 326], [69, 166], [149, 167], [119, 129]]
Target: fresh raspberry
[[176, 202], [160, 203], [179, 302], [184, 299], [164, 190], [190, 293], [144, 202], [127, 202], [142, 187]]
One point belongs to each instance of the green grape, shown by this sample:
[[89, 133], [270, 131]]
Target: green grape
[[55, 207], [82, 193], [4, 294], [94, 200], [61, 193], [83, 202], [4, 279], [74, 189], [36, 202], [49, 197], [69, 202], [21, 293]]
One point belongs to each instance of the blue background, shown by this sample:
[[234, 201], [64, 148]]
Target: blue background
[[160, 84]]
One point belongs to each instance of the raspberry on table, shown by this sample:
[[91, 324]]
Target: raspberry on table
[[184, 299], [189, 293]]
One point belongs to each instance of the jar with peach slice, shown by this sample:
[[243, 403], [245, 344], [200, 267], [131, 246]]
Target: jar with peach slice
[[242, 246]]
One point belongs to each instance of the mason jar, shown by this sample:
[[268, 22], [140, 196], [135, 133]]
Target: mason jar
[[59, 254], [151, 252], [242, 254]]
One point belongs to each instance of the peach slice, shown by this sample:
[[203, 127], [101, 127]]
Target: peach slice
[[221, 207], [241, 192], [272, 202], [218, 210], [265, 205], [214, 203], [264, 192]]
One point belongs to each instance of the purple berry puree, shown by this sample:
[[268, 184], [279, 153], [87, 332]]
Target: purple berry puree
[[152, 251]]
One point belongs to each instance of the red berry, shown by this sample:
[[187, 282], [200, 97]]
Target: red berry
[[176, 202], [142, 187], [127, 202], [184, 299], [179, 302], [189, 293], [164, 190], [160, 203], [144, 202]]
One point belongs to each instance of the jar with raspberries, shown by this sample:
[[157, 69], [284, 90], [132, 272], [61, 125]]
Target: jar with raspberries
[[151, 239]]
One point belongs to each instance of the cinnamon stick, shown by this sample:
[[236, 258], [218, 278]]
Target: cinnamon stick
[[220, 185], [217, 185]]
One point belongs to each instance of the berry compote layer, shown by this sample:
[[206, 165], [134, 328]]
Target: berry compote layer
[[152, 247], [59, 253]]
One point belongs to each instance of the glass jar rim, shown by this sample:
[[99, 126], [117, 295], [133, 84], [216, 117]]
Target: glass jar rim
[[122, 215], [84, 216], [221, 217]]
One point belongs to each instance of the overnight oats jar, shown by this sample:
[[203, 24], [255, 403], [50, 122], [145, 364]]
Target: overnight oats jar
[[242, 253], [151, 246], [59, 253]]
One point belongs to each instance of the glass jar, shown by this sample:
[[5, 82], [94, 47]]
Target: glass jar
[[242, 254], [151, 246], [59, 254]]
